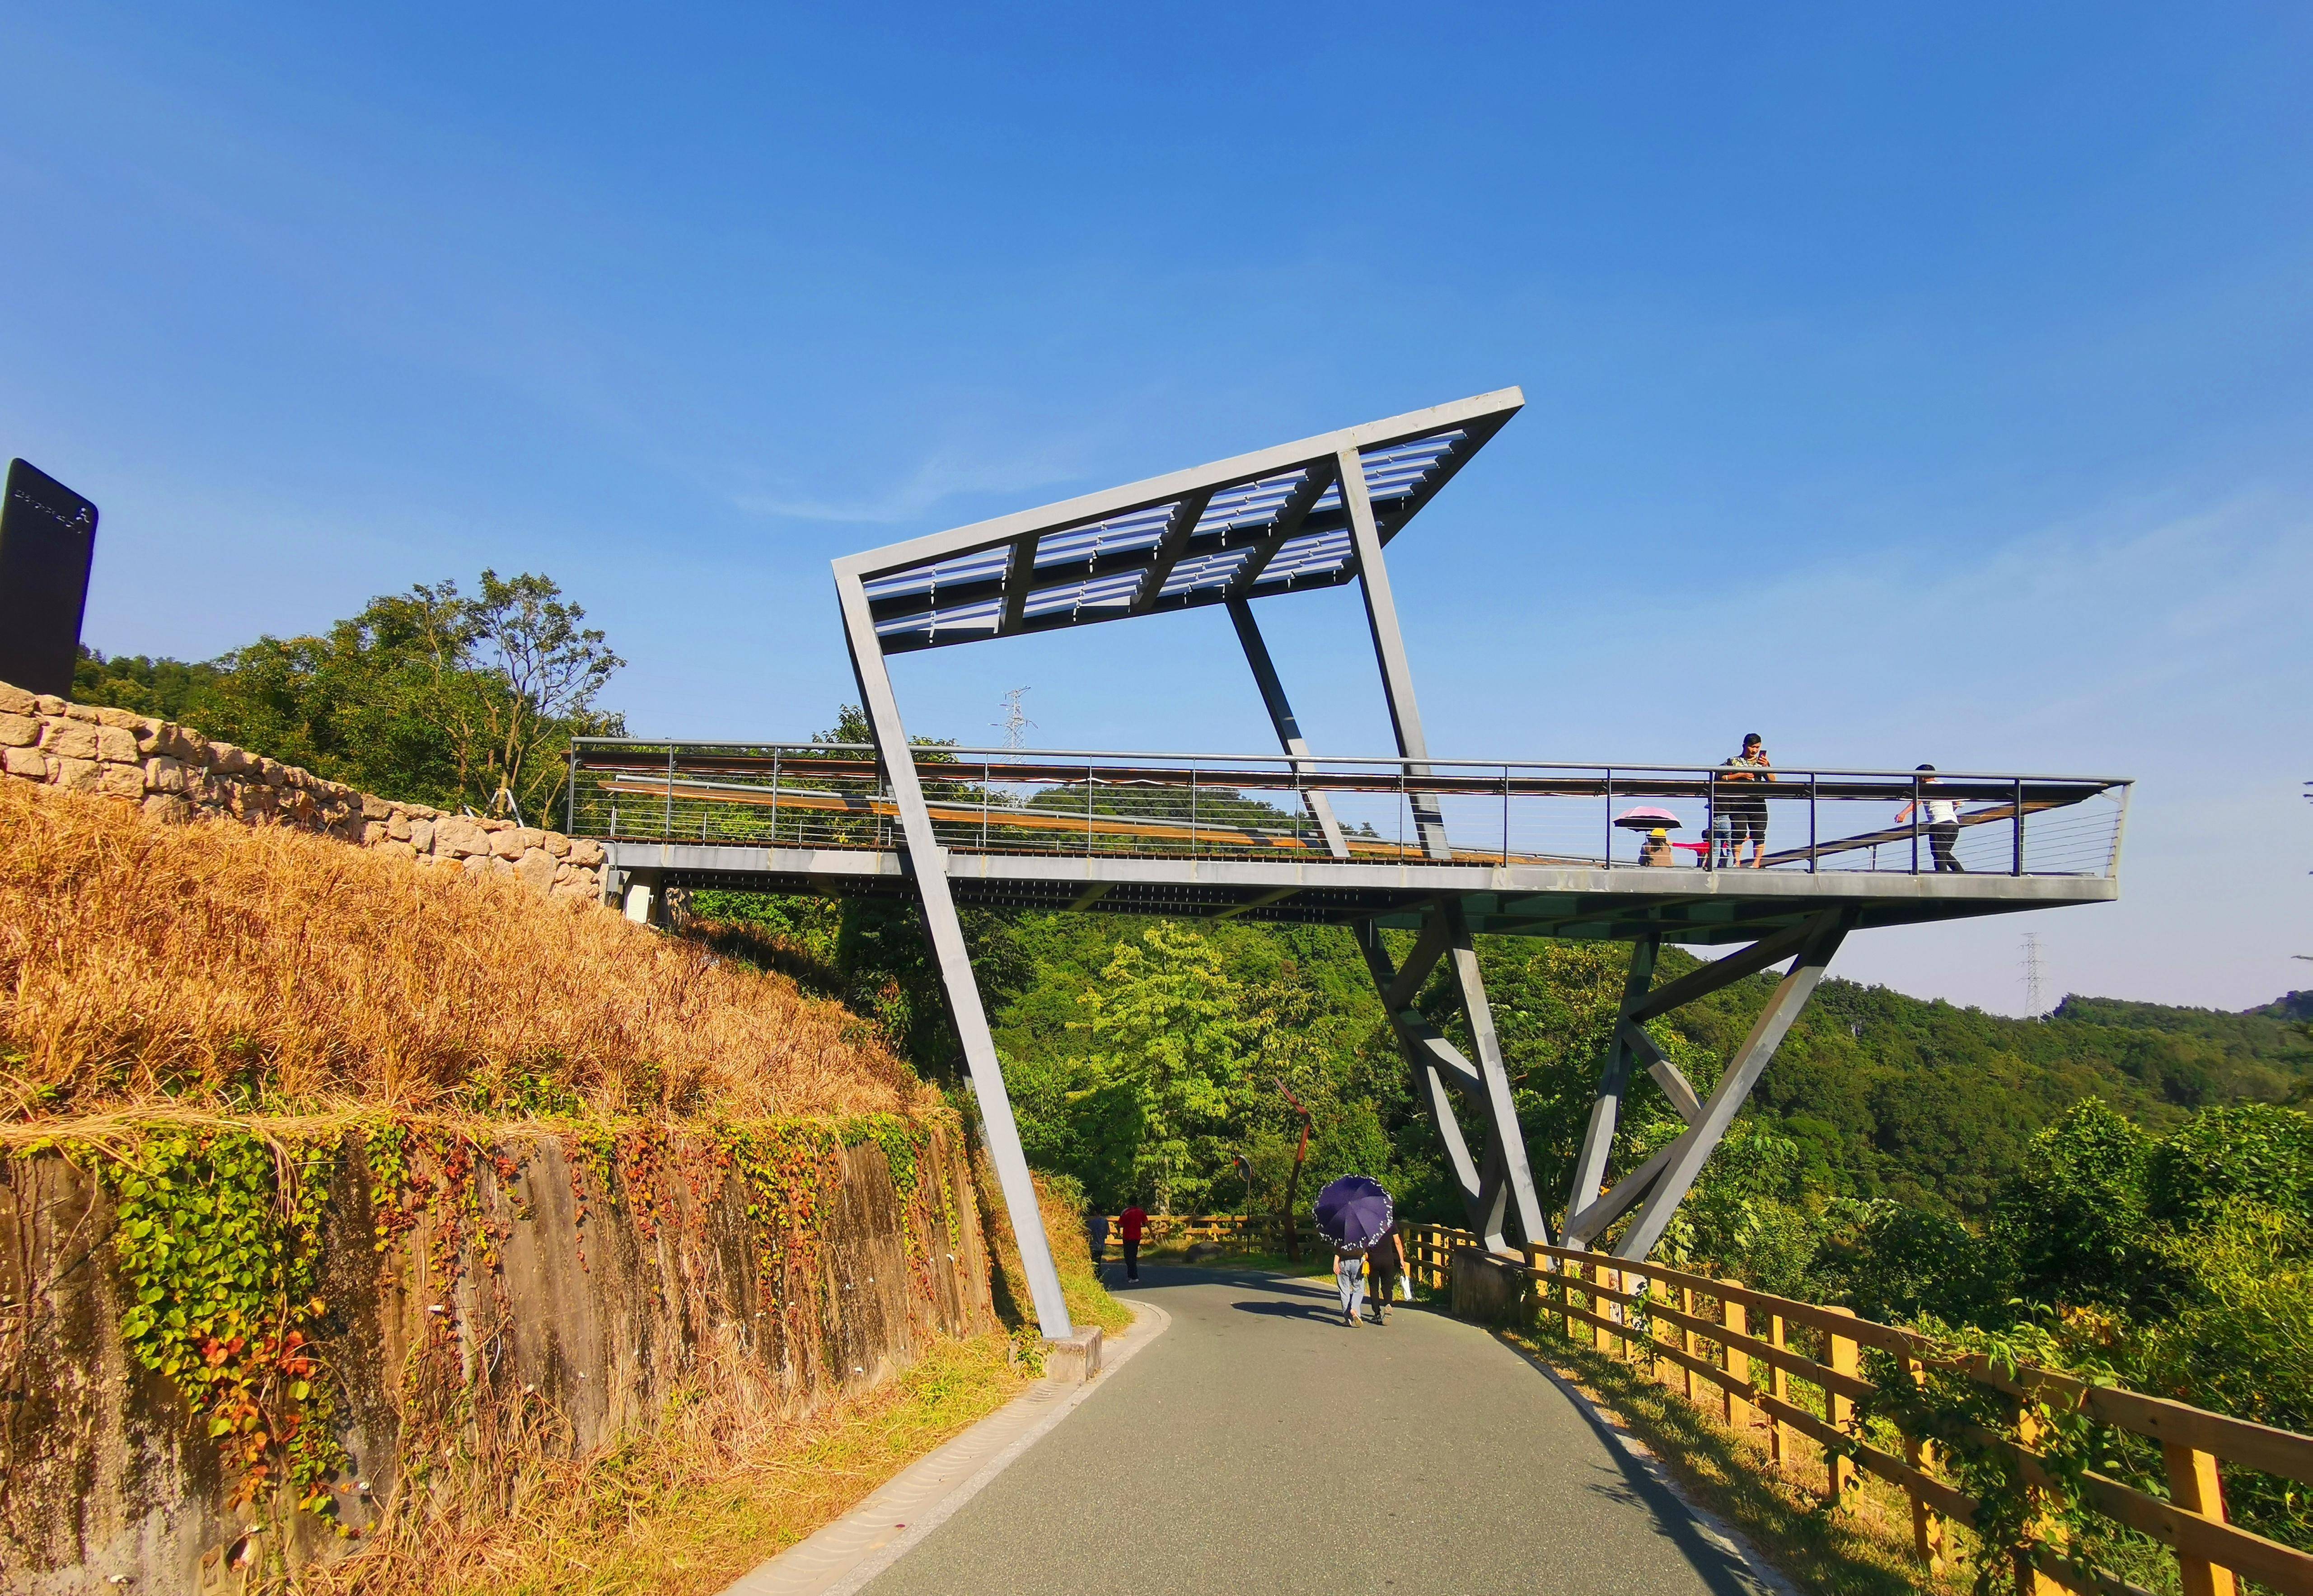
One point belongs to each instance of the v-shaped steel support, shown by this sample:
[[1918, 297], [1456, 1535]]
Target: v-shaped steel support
[[1657, 1186]]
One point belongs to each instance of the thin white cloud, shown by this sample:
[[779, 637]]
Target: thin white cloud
[[947, 473]]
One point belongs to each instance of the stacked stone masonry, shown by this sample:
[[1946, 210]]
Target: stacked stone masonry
[[176, 773]]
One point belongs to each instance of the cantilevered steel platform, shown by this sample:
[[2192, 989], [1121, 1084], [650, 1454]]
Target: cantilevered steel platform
[[1780, 867], [1531, 849]]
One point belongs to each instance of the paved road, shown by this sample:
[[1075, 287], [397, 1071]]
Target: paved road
[[1259, 1445]]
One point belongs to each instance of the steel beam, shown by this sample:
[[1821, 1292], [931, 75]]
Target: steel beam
[[1429, 1090], [1389, 646], [1583, 1228], [1606, 1104], [1502, 1113], [1723, 972], [1280, 715], [1429, 1043], [1019, 576], [1429, 948], [1169, 549], [928, 866], [1667, 1076], [1290, 514], [1702, 1137]]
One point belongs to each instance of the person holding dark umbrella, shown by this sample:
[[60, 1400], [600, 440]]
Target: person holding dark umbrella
[[1354, 1214]]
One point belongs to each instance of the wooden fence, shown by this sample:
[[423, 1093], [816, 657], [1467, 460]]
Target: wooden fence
[[1169, 1230], [1756, 1349]]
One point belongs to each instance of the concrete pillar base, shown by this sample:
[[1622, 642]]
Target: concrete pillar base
[[1489, 1287], [1073, 1358]]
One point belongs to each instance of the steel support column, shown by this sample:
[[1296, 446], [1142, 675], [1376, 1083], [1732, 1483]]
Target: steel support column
[[926, 863], [1280, 715], [1505, 1179], [1614, 1078]]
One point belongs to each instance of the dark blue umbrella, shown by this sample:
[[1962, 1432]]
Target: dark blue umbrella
[[1354, 1211]]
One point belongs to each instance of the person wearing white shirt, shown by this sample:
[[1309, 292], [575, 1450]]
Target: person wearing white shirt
[[1942, 815]]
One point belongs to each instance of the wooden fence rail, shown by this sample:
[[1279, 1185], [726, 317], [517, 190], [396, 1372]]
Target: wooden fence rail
[[1165, 1229], [1711, 1330]]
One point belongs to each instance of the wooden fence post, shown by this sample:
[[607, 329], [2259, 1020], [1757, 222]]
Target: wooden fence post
[[1686, 1342], [1780, 1386], [2195, 1485], [1839, 1471], [1927, 1525], [2030, 1580], [1740, 1415]]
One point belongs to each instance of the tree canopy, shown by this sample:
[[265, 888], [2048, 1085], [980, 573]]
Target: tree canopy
[[433, 696]]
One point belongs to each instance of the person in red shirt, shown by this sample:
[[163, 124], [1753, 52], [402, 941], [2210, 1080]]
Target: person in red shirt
[[1129, 1225]]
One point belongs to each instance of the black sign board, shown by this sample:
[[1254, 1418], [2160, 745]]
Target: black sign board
[[48, 536]]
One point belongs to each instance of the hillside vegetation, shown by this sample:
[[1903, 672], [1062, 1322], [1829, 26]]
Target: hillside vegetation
[[215, 967], [1146, 1057]]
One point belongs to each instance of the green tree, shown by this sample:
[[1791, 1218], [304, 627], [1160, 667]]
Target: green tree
[[430, 696], [1169, 1023], [2075, 1218]]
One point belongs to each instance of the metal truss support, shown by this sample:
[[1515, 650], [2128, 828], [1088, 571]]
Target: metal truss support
[[926, 865], [1497, 1186], [1657, 1186]]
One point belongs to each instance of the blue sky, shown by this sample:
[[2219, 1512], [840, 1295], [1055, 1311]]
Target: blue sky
[[1904, 382]]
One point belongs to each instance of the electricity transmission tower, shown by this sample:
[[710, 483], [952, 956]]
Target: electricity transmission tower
[[2036, 1003], [1015, 719]]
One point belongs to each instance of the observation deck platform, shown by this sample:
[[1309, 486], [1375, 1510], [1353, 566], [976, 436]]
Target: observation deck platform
[[1525, 849], [1790, 863]]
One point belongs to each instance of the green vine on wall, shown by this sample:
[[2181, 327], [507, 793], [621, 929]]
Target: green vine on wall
[[219, 1242]]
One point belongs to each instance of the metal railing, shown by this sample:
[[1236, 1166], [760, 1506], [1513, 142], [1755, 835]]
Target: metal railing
[[1795, 1371], [1384, 809]]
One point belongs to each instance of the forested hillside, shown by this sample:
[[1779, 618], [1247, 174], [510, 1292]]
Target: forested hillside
[[1145, 1058]]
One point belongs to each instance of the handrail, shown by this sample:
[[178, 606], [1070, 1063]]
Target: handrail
[[929, 754], [1374, 810], [1648, 1312]]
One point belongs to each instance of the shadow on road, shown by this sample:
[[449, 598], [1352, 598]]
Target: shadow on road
[[1288, 1310]]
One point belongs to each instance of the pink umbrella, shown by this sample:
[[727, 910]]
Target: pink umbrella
[[1647, 819]]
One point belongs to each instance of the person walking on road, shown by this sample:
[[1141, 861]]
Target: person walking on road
[[1129, 1225], [1943, 825], [1388, 1257], [1096, 1237], [1350, 1274]]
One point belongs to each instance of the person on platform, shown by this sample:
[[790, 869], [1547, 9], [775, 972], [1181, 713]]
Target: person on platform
[[1746, 810], [1387, 1257], [1943, 825], [1130, 1226], [1656, 849]]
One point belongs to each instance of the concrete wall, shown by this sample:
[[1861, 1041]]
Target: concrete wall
[[175, 774], [547, 1314]]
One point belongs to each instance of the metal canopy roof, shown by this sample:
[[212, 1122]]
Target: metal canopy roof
[[1264, 523]]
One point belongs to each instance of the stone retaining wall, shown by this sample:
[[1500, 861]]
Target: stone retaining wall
[[176, 773]]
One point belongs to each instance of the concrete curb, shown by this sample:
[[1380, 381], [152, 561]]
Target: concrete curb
[[1725, 1536], [842, 1558]]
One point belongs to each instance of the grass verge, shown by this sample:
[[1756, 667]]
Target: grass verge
[[1861, 1549], [711, 1490]]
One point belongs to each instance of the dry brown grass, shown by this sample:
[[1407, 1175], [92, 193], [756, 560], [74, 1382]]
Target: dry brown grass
[[214, 966], [725, 1479]]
